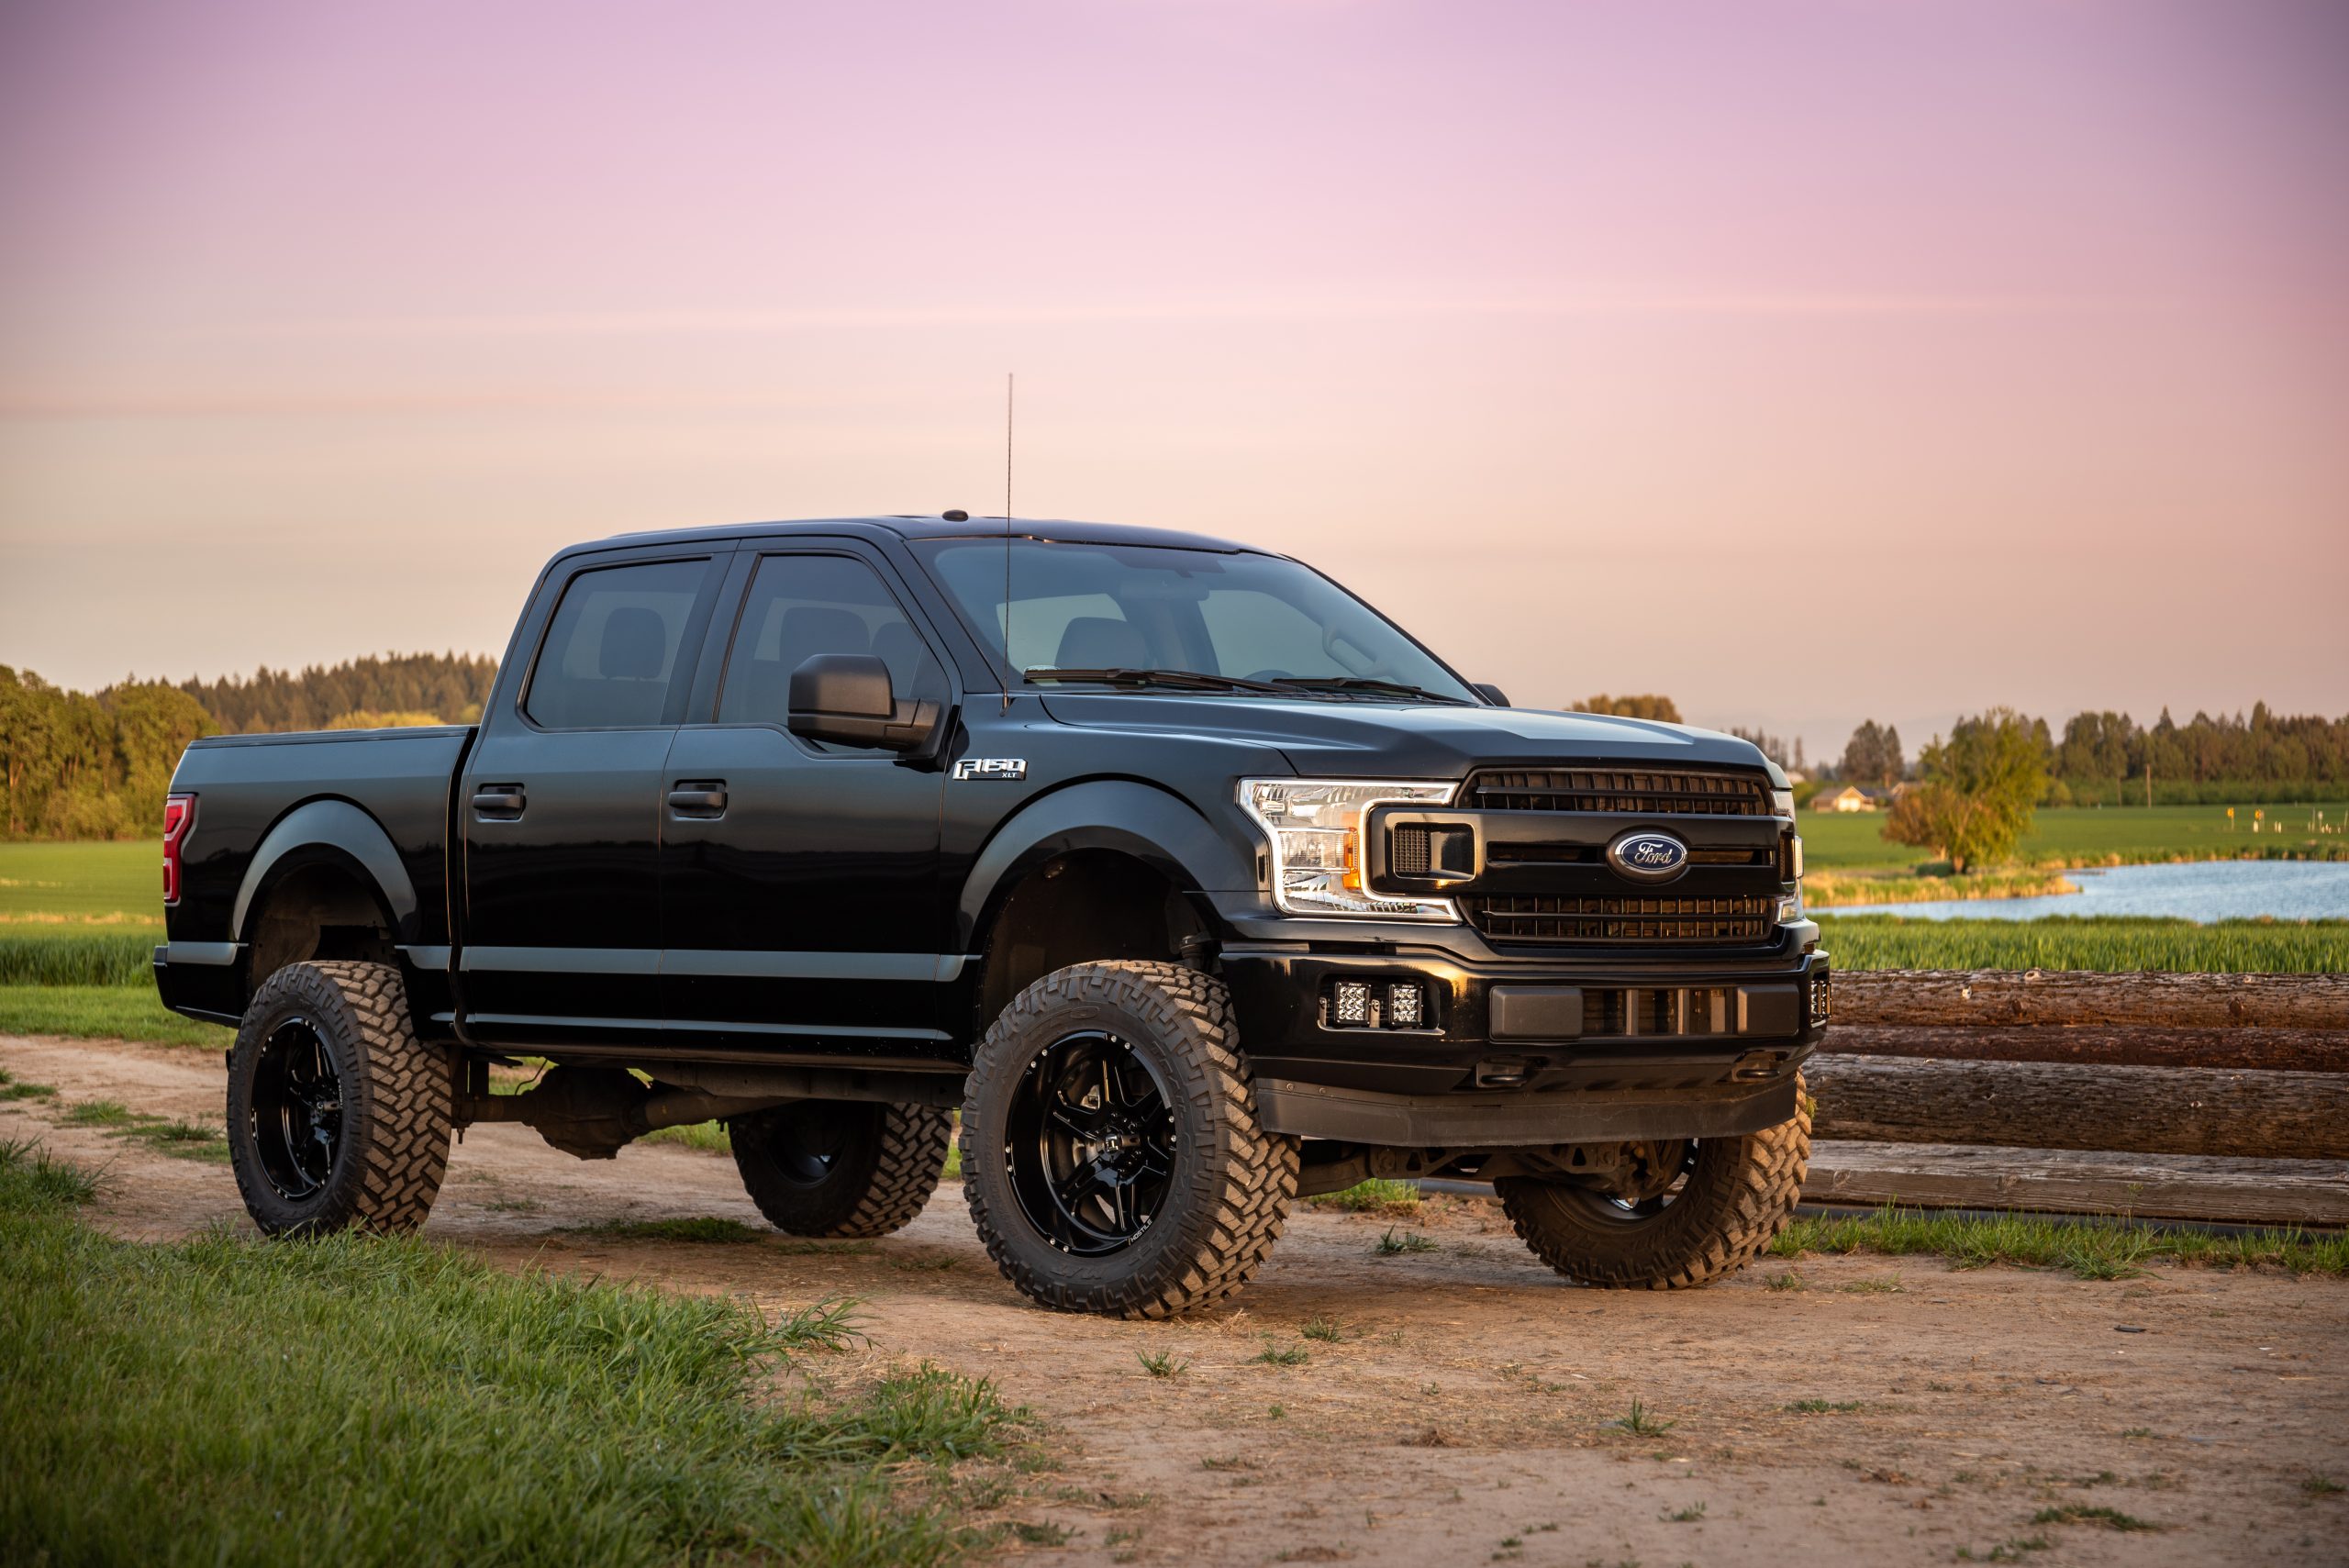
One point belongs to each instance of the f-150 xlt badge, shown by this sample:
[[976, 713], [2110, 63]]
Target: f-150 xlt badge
[[1648, 857], [991, 768]]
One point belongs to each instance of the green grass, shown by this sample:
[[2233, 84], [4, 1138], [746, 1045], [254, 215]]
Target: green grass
[[1282, 1355], [2080, 835], [1640, 1421], [366, 1400], [2110, 1518], [1395, 1242], [2107, 942], [1376, 1196], [1161, 1363], [181, 1140], [2089, 1250], [47, 888], [708, 1136], [61, 956], [10, 1089], [111, 1012]]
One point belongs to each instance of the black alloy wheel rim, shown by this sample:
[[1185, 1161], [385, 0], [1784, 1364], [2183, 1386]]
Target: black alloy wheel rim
[[1090, 1145], [296, 1120], [807, 1141], [1633, 1210]]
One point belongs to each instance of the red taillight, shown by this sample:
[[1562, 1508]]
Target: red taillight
[[179, 816]]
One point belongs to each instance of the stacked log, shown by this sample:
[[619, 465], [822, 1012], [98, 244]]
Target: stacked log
[[1928, 1074]]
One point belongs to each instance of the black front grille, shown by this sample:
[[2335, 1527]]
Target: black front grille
[[1675, 794], [1521, 918]]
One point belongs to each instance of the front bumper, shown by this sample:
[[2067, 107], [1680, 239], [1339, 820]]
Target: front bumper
[[1551, 1047]]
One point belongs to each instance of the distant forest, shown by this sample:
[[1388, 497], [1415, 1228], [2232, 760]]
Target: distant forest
[[2104, 757], [418, 688], [74, 766]]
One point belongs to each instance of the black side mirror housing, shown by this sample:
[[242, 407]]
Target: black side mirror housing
[[1492, 694], [845, 698]]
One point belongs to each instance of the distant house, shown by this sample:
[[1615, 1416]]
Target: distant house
[[1850, 797]]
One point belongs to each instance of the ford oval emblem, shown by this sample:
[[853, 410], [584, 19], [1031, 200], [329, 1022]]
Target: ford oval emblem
[[1648, 856]]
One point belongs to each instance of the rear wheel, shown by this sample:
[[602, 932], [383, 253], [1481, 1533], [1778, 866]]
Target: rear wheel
[[1111, 1155], [338, 1115], [841, 1167], [1684, 1213]]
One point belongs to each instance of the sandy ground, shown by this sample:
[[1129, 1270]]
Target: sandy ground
[[1470, 1411]]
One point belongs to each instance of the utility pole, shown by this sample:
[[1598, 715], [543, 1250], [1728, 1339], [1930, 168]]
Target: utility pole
[[2149, 786]]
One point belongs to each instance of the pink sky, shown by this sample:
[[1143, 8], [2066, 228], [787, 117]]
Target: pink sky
[[1807, 360]]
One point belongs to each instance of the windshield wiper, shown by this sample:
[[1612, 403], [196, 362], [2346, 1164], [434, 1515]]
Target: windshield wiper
[[1181, 680], [1363, 684]]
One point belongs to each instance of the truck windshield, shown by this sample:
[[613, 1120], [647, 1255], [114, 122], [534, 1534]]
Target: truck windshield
[[1144, 611]]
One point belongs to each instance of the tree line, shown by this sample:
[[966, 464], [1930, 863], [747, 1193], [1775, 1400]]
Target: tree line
[[2105, 757], [418, 688], [81, 765]]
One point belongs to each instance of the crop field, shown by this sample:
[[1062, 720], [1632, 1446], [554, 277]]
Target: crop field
[[2103, 942], [50, 889], [2091, 836]]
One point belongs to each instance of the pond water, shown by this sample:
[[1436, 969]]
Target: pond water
[[2206, 890]]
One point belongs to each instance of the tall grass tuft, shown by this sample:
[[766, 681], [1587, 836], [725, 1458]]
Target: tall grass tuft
[[113, 958]]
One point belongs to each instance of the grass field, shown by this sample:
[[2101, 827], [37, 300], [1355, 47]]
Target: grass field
[[2091, 1248], [2089, 836], [400, 1402], [48, 889], [2104, 942]]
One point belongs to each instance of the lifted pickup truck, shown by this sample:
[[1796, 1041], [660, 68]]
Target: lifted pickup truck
[[1194, 882]]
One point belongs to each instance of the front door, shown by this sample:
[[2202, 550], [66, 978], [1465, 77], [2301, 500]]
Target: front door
[[799, 888], [560, 809]]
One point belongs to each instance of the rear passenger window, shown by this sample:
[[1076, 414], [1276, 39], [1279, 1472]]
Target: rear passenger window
[[611, 654], [801, 605]]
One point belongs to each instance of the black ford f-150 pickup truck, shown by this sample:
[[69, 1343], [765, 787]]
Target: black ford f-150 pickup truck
[[1193, 883]]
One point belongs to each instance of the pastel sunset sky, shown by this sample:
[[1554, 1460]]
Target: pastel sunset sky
[[1807, 359]]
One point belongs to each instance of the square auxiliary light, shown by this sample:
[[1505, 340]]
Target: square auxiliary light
[[1404, 1008], [1349, 1002]]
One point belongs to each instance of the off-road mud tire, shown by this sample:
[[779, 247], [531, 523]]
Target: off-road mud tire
[[1735, 1202], [1232, 1183], [889, 1164], [397, 1102]]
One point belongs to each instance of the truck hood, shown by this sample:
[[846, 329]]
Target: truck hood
[[1376, 739]]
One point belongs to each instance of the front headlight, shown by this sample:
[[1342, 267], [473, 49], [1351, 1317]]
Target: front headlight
[[1313, 827]]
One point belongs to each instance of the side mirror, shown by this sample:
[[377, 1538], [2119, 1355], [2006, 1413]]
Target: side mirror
[[1491, 693], [845, 698]]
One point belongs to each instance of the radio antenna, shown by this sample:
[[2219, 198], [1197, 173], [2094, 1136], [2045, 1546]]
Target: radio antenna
[[1009, 670]]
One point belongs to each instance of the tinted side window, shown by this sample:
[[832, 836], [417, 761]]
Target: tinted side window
[[611, 652], [801, 605]]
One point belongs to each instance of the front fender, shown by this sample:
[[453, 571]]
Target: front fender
[[330, 829], [1154, 826]]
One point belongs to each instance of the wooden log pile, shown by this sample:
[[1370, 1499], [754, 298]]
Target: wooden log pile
[[2215, 1096]]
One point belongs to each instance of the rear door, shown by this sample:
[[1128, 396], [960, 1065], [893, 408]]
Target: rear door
[[560, 803], [799, 885]]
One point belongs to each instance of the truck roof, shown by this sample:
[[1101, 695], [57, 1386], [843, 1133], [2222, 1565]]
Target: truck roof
[[936, 526]]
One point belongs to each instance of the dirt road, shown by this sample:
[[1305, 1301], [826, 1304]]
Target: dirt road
[[1472, 1408]]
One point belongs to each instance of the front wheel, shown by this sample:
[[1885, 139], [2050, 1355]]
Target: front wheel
[[1684, 1213], [1111, 1155]]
